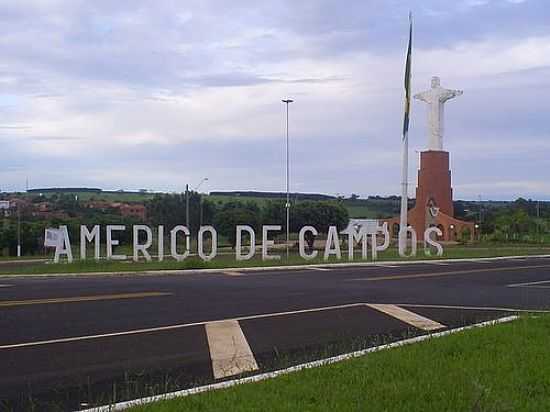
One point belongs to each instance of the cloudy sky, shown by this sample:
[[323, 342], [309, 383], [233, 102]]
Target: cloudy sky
[[139, 94]]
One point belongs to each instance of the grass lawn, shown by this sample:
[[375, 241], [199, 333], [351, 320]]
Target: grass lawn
[[228, 260], [499, 368]]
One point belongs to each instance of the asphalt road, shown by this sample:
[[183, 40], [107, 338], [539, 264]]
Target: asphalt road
[[69, 342]]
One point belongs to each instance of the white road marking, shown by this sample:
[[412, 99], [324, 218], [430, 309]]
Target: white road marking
[[407, 316], [439, 263], [269, 375], [232, 273], [320, 269], [448, 273], [490, 308], [386, 266], [172, 327], [229, 349], [258, 316], [528, 284], [6, 286]]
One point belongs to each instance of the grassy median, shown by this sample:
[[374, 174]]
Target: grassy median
[[499, 368]]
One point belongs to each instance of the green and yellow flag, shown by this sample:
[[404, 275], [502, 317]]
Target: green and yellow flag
[[408, 82]]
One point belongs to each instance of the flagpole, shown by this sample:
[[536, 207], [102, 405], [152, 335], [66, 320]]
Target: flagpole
[[404, 194], [403, 224]]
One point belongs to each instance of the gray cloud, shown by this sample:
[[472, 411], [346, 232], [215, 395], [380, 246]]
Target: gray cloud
[[133, 94]]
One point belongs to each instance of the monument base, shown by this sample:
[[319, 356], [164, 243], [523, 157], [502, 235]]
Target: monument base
[[434, 201]]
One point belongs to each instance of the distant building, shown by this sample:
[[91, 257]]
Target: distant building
[[134, 210]]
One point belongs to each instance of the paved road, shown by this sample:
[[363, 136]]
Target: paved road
[[70, 341]]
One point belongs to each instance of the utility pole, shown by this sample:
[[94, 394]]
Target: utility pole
[[480, 209], [187, 206], [538, 220], [18, 231], [201, 212], [287, 205], [4, 211]]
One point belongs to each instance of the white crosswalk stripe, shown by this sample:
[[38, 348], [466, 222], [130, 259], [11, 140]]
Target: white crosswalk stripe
[[407, 316], [229, 349]]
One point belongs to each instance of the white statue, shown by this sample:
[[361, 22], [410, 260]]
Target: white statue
[[436, 98]]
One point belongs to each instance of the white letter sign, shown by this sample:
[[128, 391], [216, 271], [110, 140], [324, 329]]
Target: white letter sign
[[238, 246], [267, 243], [214, 236], [148, 242], [174, 240]]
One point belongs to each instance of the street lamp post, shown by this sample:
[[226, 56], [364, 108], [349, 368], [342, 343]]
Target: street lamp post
[[201, 201], [204, 179], [187, 199], [187, 206], [287, 205]]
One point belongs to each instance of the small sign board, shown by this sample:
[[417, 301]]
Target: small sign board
[[52, 237], [369, 225], [4, 204]]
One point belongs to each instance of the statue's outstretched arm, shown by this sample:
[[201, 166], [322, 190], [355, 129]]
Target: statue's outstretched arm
[[424, 96], [449, 94]]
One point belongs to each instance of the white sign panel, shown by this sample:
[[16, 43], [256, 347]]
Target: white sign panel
[[369, 226], [52, 237], [4, 204]]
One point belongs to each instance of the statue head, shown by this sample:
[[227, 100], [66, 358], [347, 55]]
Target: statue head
[[436, 82]]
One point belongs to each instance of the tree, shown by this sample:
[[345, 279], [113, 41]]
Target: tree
[[170, 210], [273, 213], [320, 215], [226, 221]]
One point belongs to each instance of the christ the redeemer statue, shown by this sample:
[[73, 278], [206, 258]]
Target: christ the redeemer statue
[[436, 98]]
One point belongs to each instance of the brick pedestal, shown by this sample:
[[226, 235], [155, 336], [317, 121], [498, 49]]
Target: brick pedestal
[[434, 192]]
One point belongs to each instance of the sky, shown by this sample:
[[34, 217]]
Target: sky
[[137, 94]]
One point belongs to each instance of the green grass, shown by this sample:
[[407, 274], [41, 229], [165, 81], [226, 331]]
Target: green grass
[[228, 260], [260, 201], [362, 211], [501, 368]]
